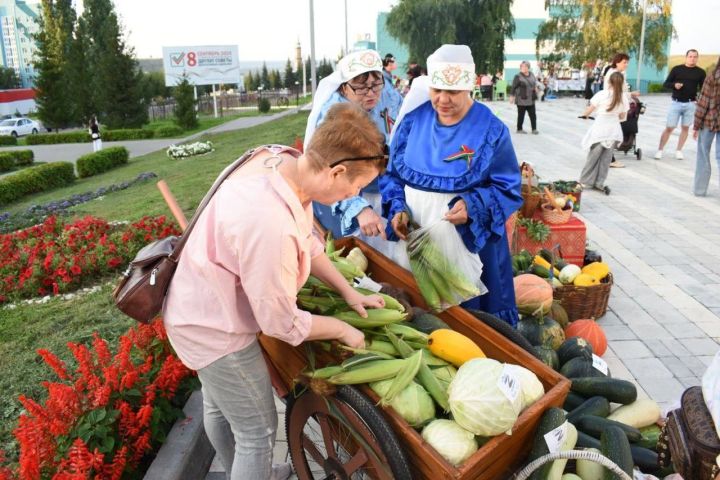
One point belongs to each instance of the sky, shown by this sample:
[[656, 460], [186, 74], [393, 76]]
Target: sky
[[270, 29]]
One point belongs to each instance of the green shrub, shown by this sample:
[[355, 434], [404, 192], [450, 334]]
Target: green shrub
[[656, 88], [102, 161], [126, 134], [264, 105], [53, 138], [35, 179], [13, 158], [170, 131], [8, 140], [185, 114]]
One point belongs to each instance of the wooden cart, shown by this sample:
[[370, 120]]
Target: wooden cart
[[344, 436]]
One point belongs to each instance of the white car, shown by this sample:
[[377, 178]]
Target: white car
[[18, 127]]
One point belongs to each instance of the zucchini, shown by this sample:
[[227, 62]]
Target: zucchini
[[551, 419], [638, 414], [589, 470], [572, 401], [426, 322], [615, 446], [574, 347], [570, 476], [594, 426], [580, 367], [555, 260], [650, 437], [645, 459], [503, 328], [542, 272], [598, 406], [614, 389], [586, 441]]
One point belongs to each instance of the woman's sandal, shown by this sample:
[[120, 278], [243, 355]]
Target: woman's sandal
[[605, 189]]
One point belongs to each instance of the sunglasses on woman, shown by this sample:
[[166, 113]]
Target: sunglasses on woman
[[385, 155]]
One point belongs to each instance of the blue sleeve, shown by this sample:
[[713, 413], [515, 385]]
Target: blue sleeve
[[392, 187], [490, 205], [348, 210]]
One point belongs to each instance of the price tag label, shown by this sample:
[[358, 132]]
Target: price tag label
[[600, 364], [556, 437], [509, 384], [367, 283]]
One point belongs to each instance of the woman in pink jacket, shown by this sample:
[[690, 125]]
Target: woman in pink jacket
[[250, 252]]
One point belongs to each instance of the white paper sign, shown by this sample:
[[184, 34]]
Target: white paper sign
[[556, 437], [367, 283], [509, 384], [600, 364]]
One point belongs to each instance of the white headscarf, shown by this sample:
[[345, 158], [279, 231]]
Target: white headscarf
[[349, 67], [450, 67]]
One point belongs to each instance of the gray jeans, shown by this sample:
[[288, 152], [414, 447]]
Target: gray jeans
[[239, 413], [596, 167], [702, 165]]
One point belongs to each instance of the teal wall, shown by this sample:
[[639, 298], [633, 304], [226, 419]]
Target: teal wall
[[388, 44], [526, 28]]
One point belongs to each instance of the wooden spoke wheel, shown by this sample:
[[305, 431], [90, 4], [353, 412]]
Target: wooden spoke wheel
[[342, 437]]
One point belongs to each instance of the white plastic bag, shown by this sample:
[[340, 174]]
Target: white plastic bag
[[711, 390], [447, 273]]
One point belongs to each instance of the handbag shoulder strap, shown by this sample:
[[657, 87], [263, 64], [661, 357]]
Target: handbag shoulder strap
[[220, 179]]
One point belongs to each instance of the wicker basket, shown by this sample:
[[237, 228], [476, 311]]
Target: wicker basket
[[531, 201], [585, 302], [550, 215]]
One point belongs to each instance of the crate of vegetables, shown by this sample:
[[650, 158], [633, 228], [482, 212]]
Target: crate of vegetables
[[488, 428]]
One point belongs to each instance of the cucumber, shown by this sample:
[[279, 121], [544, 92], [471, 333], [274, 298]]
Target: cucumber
[[586, 441], [650, 437], [598, 406], [574, 347], [580, 367], [614, 389], [589, 470], [572, 401], [645, 459], [615, 446], [551, 419], [594, 426]]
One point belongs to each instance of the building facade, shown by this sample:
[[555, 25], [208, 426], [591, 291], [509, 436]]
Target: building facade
[[18, 24]]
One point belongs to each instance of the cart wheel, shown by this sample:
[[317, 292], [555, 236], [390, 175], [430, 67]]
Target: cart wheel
[[638, 153], [342, 437]]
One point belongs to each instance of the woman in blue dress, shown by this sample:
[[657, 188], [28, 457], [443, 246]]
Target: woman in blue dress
[[451, 157], [358, 79]]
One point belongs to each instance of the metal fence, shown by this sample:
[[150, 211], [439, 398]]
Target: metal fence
[[162, 109]]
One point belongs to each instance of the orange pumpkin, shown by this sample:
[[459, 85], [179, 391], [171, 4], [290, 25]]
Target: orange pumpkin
[[590, 331], [532, 294]]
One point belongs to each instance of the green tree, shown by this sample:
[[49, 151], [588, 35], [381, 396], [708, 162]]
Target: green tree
[[424, 25], [53, 41], [289, 77], [8, 78], [152, 84], [324, 68], [582, 30], [78, 73], [114, 77], [275, 80], [264, 77], [185, 114]]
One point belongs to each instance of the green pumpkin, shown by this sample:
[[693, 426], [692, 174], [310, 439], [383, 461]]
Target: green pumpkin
[[542, 331], [558, 313], [548, 356]]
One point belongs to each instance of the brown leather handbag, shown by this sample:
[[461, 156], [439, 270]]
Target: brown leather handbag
[[143, 286], [689, 439]]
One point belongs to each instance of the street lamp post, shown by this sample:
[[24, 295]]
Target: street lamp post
[[297, 94], [642, 45]]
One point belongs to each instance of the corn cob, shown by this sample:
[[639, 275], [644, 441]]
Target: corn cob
[[377, 317], [365, 351], [321, 305], [403, 378], [347, 269], [360, 358], [427, 289], [390, 302], [425, 376], [408, 333], [326, 372], [375, 345], [373, 371], [432, 361], [446, 294]]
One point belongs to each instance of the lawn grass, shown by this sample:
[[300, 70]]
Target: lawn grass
[[27, 328]]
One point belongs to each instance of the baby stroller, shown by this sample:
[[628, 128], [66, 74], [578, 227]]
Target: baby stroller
[[630, 129]]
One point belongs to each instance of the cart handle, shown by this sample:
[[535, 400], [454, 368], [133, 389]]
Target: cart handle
[[572, 455]]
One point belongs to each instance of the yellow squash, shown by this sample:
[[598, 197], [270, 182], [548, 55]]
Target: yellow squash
[[453, 347], [599, 270], [585, 280]]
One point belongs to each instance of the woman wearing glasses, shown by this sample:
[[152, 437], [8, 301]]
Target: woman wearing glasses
[[239, 274], [358, 79], [452, 159]]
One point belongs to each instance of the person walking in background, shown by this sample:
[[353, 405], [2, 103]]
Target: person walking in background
[[706, 126], [684, 81], [94, 132], [524, 94], [612, 106], [391, 98], [619, 64], [597, 76], [589, 81]]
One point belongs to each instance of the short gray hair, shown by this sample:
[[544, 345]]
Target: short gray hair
[[525, 62]]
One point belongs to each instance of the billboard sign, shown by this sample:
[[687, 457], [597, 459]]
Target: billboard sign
[[204, 65]]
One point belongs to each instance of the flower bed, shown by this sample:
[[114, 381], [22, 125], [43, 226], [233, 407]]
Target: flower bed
[[54, 258], [37, 213], [189, 149], [103, 419]]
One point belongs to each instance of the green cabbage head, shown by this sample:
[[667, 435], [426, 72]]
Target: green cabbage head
[[413, 403], [451, 441]]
